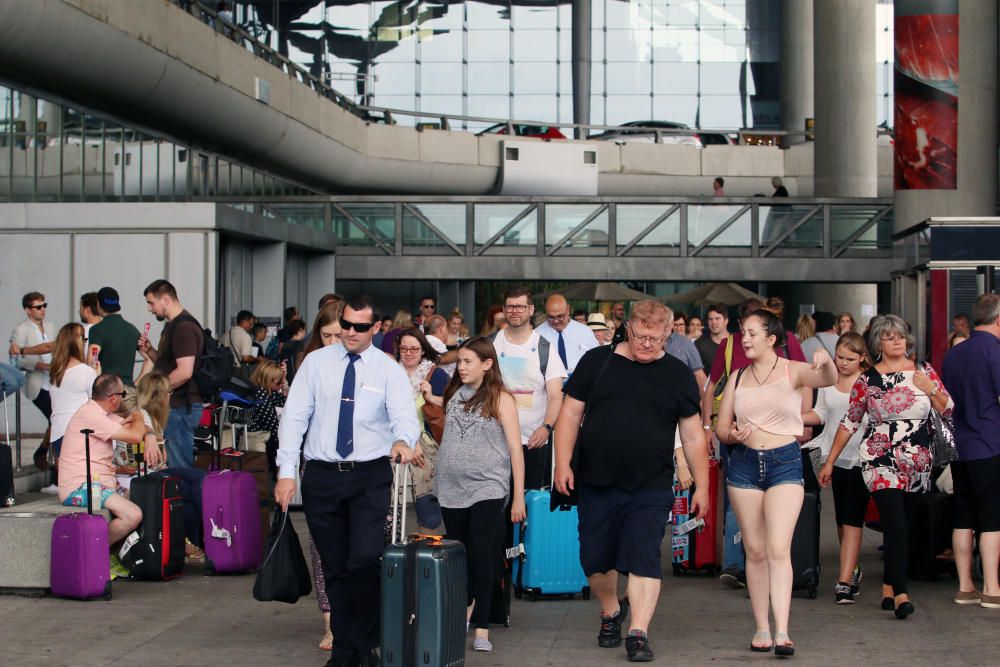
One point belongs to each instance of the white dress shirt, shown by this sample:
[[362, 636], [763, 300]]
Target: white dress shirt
[[383, 408], [578, 339]]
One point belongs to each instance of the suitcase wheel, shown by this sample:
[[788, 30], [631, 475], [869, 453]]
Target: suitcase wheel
[[533, 595], [518, 593], [209, 567], [677, 570], [586, 592], [812, 592], [506, 622], [107, 591]]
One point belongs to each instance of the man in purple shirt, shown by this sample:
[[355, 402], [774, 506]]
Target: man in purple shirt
[[972, 376]]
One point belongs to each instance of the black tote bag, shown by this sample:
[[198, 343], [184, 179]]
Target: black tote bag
[[284, 575]]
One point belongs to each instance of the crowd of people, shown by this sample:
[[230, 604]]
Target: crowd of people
[[614, 409]]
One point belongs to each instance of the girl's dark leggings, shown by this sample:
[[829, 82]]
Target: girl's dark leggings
[[480, 529]]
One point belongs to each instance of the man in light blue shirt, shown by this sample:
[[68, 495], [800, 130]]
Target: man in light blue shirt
[[354, 407], [570, 339]]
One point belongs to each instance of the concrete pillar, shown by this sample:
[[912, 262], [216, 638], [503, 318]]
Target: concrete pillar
[[976, 192], [844, 62], [268, 289], [796, 64], [28, 112], [581, 64]]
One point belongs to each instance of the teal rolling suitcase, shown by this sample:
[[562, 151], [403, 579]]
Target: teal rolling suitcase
[[423, 597]]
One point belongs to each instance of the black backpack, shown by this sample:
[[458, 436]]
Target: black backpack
[[213, 368]]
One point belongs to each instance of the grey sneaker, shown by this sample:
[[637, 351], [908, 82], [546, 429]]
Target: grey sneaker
[[482, 645], [856, 581]]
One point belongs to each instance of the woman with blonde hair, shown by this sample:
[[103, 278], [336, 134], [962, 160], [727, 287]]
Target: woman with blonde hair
[[805, 327], [70, 380]]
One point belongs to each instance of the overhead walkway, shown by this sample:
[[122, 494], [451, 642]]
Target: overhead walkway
[[151, 64], [567, 238]]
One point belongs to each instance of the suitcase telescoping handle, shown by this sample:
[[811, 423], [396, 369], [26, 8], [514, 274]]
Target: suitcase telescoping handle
[[400, 473], [86, 452]]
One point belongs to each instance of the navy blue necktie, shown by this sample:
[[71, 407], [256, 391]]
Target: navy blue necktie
[[562, 351], [345, 423]]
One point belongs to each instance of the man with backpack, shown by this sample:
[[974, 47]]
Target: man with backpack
[[534, 374], [177, 356]]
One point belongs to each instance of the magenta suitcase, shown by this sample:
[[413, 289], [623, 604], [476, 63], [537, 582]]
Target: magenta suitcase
[[81, 559], [231, 521]]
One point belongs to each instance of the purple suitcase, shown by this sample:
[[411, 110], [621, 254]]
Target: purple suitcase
[[231, 521], [81, 565]]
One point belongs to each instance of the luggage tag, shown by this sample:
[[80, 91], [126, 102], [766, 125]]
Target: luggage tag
[[514, 552], [689, 525], [221, 533]]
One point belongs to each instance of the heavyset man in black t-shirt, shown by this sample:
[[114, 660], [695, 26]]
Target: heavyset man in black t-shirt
[[622, 466]]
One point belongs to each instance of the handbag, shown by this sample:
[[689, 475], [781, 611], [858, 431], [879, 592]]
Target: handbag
[[943, 449], [284, 575], [433, 414]]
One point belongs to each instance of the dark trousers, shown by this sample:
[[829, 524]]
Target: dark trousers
[[894, 508], [346, 515], [480, 528]]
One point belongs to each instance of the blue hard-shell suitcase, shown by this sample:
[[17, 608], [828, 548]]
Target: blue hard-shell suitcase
[[550, 564]]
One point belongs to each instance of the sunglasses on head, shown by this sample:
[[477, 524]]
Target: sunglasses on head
[[360, 327]]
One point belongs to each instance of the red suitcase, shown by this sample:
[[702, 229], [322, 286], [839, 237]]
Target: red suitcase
[[695, 550]]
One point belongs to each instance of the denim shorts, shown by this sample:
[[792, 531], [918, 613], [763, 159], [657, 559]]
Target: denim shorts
[[763, 468]]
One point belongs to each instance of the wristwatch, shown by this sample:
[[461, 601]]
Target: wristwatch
[[548, 427]]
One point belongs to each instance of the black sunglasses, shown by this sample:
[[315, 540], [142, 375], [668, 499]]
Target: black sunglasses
[[40, 306], [360, 327], [121, 393]]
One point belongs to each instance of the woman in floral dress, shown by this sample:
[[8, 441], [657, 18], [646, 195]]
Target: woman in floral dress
[[897, 395]]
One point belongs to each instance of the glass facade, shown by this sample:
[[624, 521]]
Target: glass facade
[[50, 152], [705, 63]]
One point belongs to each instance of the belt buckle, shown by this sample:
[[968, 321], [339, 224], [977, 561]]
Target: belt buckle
[[345, 466]]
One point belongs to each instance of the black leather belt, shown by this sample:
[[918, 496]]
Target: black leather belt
[[347, 466]]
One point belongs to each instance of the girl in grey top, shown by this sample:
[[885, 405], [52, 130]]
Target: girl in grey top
[[480, 448]]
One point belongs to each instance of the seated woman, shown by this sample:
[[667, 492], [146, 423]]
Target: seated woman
[[270, 388]]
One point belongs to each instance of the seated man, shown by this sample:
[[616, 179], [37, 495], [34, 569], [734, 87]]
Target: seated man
[[98, 414]]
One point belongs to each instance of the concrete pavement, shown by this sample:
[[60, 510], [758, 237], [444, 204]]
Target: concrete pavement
[[197, 620]]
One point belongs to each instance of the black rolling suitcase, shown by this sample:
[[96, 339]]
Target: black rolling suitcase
[[805, 547], [159, 552]]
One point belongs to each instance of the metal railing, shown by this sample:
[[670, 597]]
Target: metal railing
[[594, 226]]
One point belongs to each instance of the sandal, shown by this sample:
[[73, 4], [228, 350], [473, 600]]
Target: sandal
[[785, 649], [327, 642], [761, 636], [193, 553]]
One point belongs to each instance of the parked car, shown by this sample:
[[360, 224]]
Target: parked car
[[645, 132], [539, 131]]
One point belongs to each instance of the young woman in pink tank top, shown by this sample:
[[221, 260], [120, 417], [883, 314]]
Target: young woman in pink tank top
[[761, 414]]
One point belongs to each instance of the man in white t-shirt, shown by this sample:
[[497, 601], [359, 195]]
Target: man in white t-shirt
[[570, 338], [533, 372], [239, 340]]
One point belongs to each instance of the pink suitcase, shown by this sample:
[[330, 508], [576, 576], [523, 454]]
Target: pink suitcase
[[81, 565], [231, 521]]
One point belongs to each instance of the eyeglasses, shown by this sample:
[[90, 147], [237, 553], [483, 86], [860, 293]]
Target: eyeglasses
[[427, 305], [556, 318], [516, 307], [646, 340], [360, 327], [410, 350], [40, 306]]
